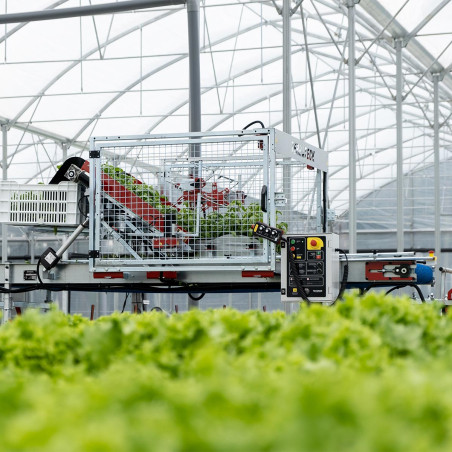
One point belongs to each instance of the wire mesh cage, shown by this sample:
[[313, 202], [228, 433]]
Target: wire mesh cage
[[193, 200]]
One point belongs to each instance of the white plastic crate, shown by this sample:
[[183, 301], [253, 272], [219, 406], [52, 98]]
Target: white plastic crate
[[33, 204]]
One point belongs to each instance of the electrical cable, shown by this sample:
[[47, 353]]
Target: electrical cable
[[37, 272], [294, 271], [125, 301], [254, 122], [197, 298], [415, 286], [300, 288], [344, 276], [79, 206]]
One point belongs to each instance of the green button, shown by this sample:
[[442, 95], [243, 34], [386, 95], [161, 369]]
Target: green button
[[292, 241]]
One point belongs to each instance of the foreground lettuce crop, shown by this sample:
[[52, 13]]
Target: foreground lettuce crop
[[370, 374]]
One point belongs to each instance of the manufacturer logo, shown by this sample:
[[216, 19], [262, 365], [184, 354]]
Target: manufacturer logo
[[296, 149], [310, 154]]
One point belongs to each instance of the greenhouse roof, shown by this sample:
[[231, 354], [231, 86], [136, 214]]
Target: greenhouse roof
[[66, 80]]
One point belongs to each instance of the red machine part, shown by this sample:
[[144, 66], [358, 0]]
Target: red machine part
[[376, 270], [209, 200], [449, 295], [130, 200]]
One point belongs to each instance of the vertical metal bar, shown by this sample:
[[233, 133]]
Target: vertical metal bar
[[352, 127], [194, 68], [4, 178], [287, 117], [194, 81], [287, 106], [194, 90], [437, 176], [4, 152], [399, 125], [65, 294], [318, 189]]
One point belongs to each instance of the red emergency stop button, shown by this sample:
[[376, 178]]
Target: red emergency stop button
[[313, 242]]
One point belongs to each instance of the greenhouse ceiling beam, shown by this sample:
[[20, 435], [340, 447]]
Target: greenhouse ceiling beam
[[91, 10], [342, 146], [9, 33], [396, 30], [380, 151], [246, 71], [144, 77], [83, 58], [426, 20], [37, 131], [82, 145], [374, 171]]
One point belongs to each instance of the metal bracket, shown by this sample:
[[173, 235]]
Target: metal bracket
[[93, 253], [94, 154]]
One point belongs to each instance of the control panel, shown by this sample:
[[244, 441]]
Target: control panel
[[267, 232], [310, 264]]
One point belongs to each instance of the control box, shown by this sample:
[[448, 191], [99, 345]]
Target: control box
[[310, 264]]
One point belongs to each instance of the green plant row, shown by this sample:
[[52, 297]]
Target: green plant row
[[370, 374], [237, 218]]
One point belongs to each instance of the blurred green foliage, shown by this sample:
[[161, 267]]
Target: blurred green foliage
[[369, 374]]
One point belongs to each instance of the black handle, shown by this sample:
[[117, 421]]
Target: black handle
[[264, 198]]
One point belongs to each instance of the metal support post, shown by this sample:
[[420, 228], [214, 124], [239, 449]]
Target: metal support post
[[195, 89], [4, 178], [194, 85], [194, 67], [352, 127], [399, 125], [437, 176], [7, 298], [287, 69], [287, 106], [65, 294]]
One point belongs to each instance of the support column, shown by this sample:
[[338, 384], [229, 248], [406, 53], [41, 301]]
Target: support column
[[287, 68], [287, 117], [437, 176], [352, 126], [194, 66], [65, 294], [399, 125], [194, 90], [4, 178], [6, 297]]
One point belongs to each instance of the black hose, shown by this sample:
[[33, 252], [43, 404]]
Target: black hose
[[124, 305], [294, 270], [200, 297], [37, 272], [254, 122], [344, 276], [415, 286]]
